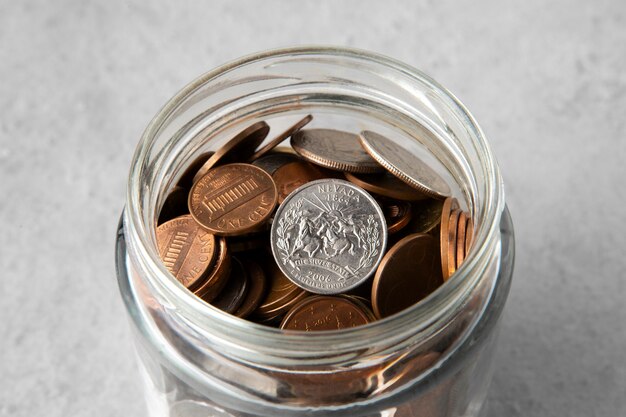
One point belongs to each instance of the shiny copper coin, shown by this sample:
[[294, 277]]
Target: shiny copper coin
[[386, 185], [324, 313], [282, 293], [404, 165], [449, 205], [175, 205], [233, 199], [294, 174], [452, 230], [215, 279], [426, 216], [187, 251], [409, 272], [469, 235], [397, 215], [461, 228], [186, 180], [257, 284], [274, 160], [334, 149], [235, 289], [238, 149], [280, 138]]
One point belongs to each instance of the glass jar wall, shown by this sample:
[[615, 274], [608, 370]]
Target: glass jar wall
[[433, 359]]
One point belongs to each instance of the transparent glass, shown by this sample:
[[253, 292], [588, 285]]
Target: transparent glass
[[433, 359]]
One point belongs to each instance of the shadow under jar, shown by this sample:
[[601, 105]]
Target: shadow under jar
[[433, 359]]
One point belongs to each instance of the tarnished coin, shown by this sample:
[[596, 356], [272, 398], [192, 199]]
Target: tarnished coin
[[215, 279], [238, 149], [328, 236], [235, 289], [324, 312], [186, 250], [233, 199], [274, 160], [449, 205], [292, 175], [386, 185], [426, 216], [404, 165], [334, 149], [282, 294], [452, 230], [278, 139], [186, 180], [248, 242], [175, 205], [461, 228], [256, 288], [409, 272]]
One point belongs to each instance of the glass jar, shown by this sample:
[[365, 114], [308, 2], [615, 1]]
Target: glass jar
[[433, 359]]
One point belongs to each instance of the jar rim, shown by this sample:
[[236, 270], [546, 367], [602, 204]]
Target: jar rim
[[412, 320]]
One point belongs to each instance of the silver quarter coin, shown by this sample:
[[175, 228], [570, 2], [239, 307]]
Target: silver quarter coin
[[405, 165], [334, 149], [328, 236]]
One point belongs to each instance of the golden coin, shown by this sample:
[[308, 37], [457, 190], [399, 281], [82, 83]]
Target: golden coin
[[404, 165], [460, 239], [334, 149], [426, 216], [233, 199], [187, 251], [282, 293], [449, 204], [386, 185], [408, 273], [278, 139], [238, 149]]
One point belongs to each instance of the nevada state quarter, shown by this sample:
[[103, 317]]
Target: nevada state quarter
[[328, 236]]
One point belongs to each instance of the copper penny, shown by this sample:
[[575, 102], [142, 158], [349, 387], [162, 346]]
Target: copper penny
[[386, 185], [334, 149], [235, 289], [187, 251], [233, 199], [404, 165], [186, 180], [257, 284], [469, 235], [324, 313], [294, 174], [452, 230], [215, 279], [409, 272], [426, 216], [281, 294], [175, 205], [274, 160], [280, 138], [449, 204], [461, 228], [397, 214], [239, 148]]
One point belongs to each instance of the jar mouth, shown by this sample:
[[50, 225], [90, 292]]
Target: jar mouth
[[146, 180]]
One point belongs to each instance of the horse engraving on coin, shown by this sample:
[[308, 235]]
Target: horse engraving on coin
[[328, 236]]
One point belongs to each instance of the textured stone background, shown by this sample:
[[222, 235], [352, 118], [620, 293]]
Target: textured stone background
[[79, 80]]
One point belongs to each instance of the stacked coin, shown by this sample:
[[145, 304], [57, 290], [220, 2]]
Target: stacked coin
[[335, 231]]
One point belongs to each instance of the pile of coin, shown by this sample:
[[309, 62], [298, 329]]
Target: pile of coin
[[335, 231]]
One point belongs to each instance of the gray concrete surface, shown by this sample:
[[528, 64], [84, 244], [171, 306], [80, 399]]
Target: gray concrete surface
[[79, 80]]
